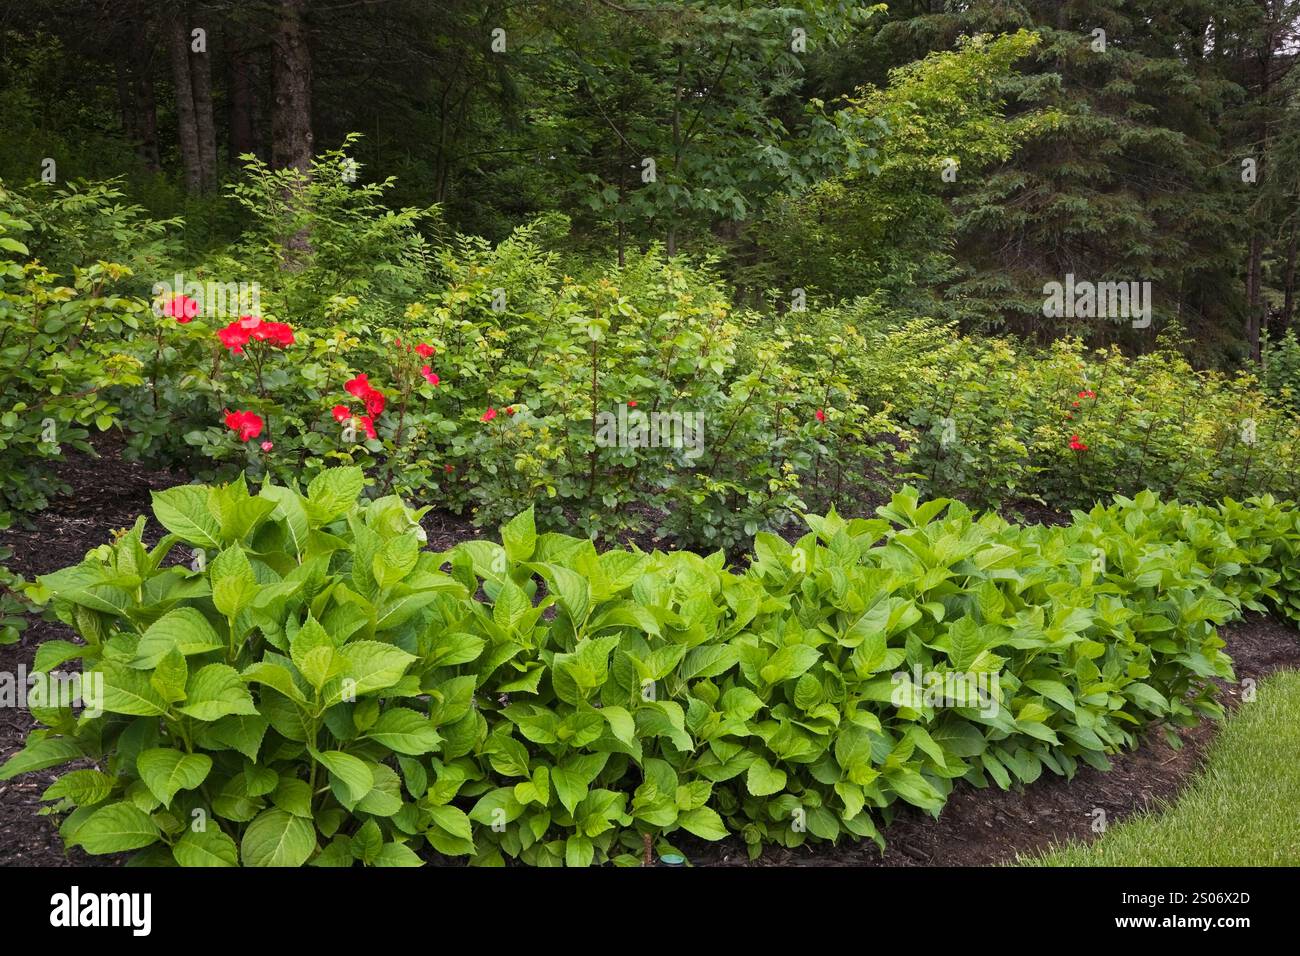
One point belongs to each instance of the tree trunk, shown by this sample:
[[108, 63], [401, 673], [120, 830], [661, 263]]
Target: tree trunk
[[187, 134], [1288, 279], [291, 135], [126, 109], [243, 99], [201, 84], [1255, 263], [133, 67], [1254, 294], [146, 105]]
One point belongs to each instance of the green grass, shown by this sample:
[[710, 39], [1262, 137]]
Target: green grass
[[1243, 810]]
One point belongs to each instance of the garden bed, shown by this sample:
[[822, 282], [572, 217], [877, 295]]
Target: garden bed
[[977, 827], [992, 826]]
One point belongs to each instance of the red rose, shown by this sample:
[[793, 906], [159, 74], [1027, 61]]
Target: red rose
[[358, 386], [246, 424], [234, 337], [277, 333], [181, 308]]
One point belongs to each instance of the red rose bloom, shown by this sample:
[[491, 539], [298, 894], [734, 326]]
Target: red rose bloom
[[277, 333], [181, 308], [424, 351], [372, 397], [234, 337], [490, 414], [246, 424]]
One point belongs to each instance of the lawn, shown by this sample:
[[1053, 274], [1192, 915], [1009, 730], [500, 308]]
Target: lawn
[[1243, 809]]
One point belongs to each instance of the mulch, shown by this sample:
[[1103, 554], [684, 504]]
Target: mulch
[[977, 827]]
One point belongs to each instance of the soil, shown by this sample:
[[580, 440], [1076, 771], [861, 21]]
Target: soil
[[977, 827], [107, 493]]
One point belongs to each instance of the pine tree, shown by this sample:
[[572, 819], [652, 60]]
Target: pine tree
[[1135, 182]]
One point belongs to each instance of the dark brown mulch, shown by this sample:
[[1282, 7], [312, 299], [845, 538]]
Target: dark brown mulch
[[107, 493], [976, 827], [1034, 512]]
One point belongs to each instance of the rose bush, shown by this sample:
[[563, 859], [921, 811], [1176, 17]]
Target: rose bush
[[614, 400]]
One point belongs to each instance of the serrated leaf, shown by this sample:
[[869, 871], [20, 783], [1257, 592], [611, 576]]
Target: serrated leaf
[[217, 691], [278, 838], [207, 847], [165, 771], [704, 823], [762, 779], [404, 731], [116, 828]]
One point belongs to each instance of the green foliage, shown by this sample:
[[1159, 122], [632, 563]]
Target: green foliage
[[628, 399], [549, 387], [54, 366], [1281, 368], [333, 242], [888, 225], [89, 221], [320, 690], [995, 421], [13, 606], [718, 79], [1128, 182]]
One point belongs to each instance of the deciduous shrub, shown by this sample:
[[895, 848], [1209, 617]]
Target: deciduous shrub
[[54, 368], [309, 686], [1281, 367], [489, 380], [633, 401], [1069, 427]]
